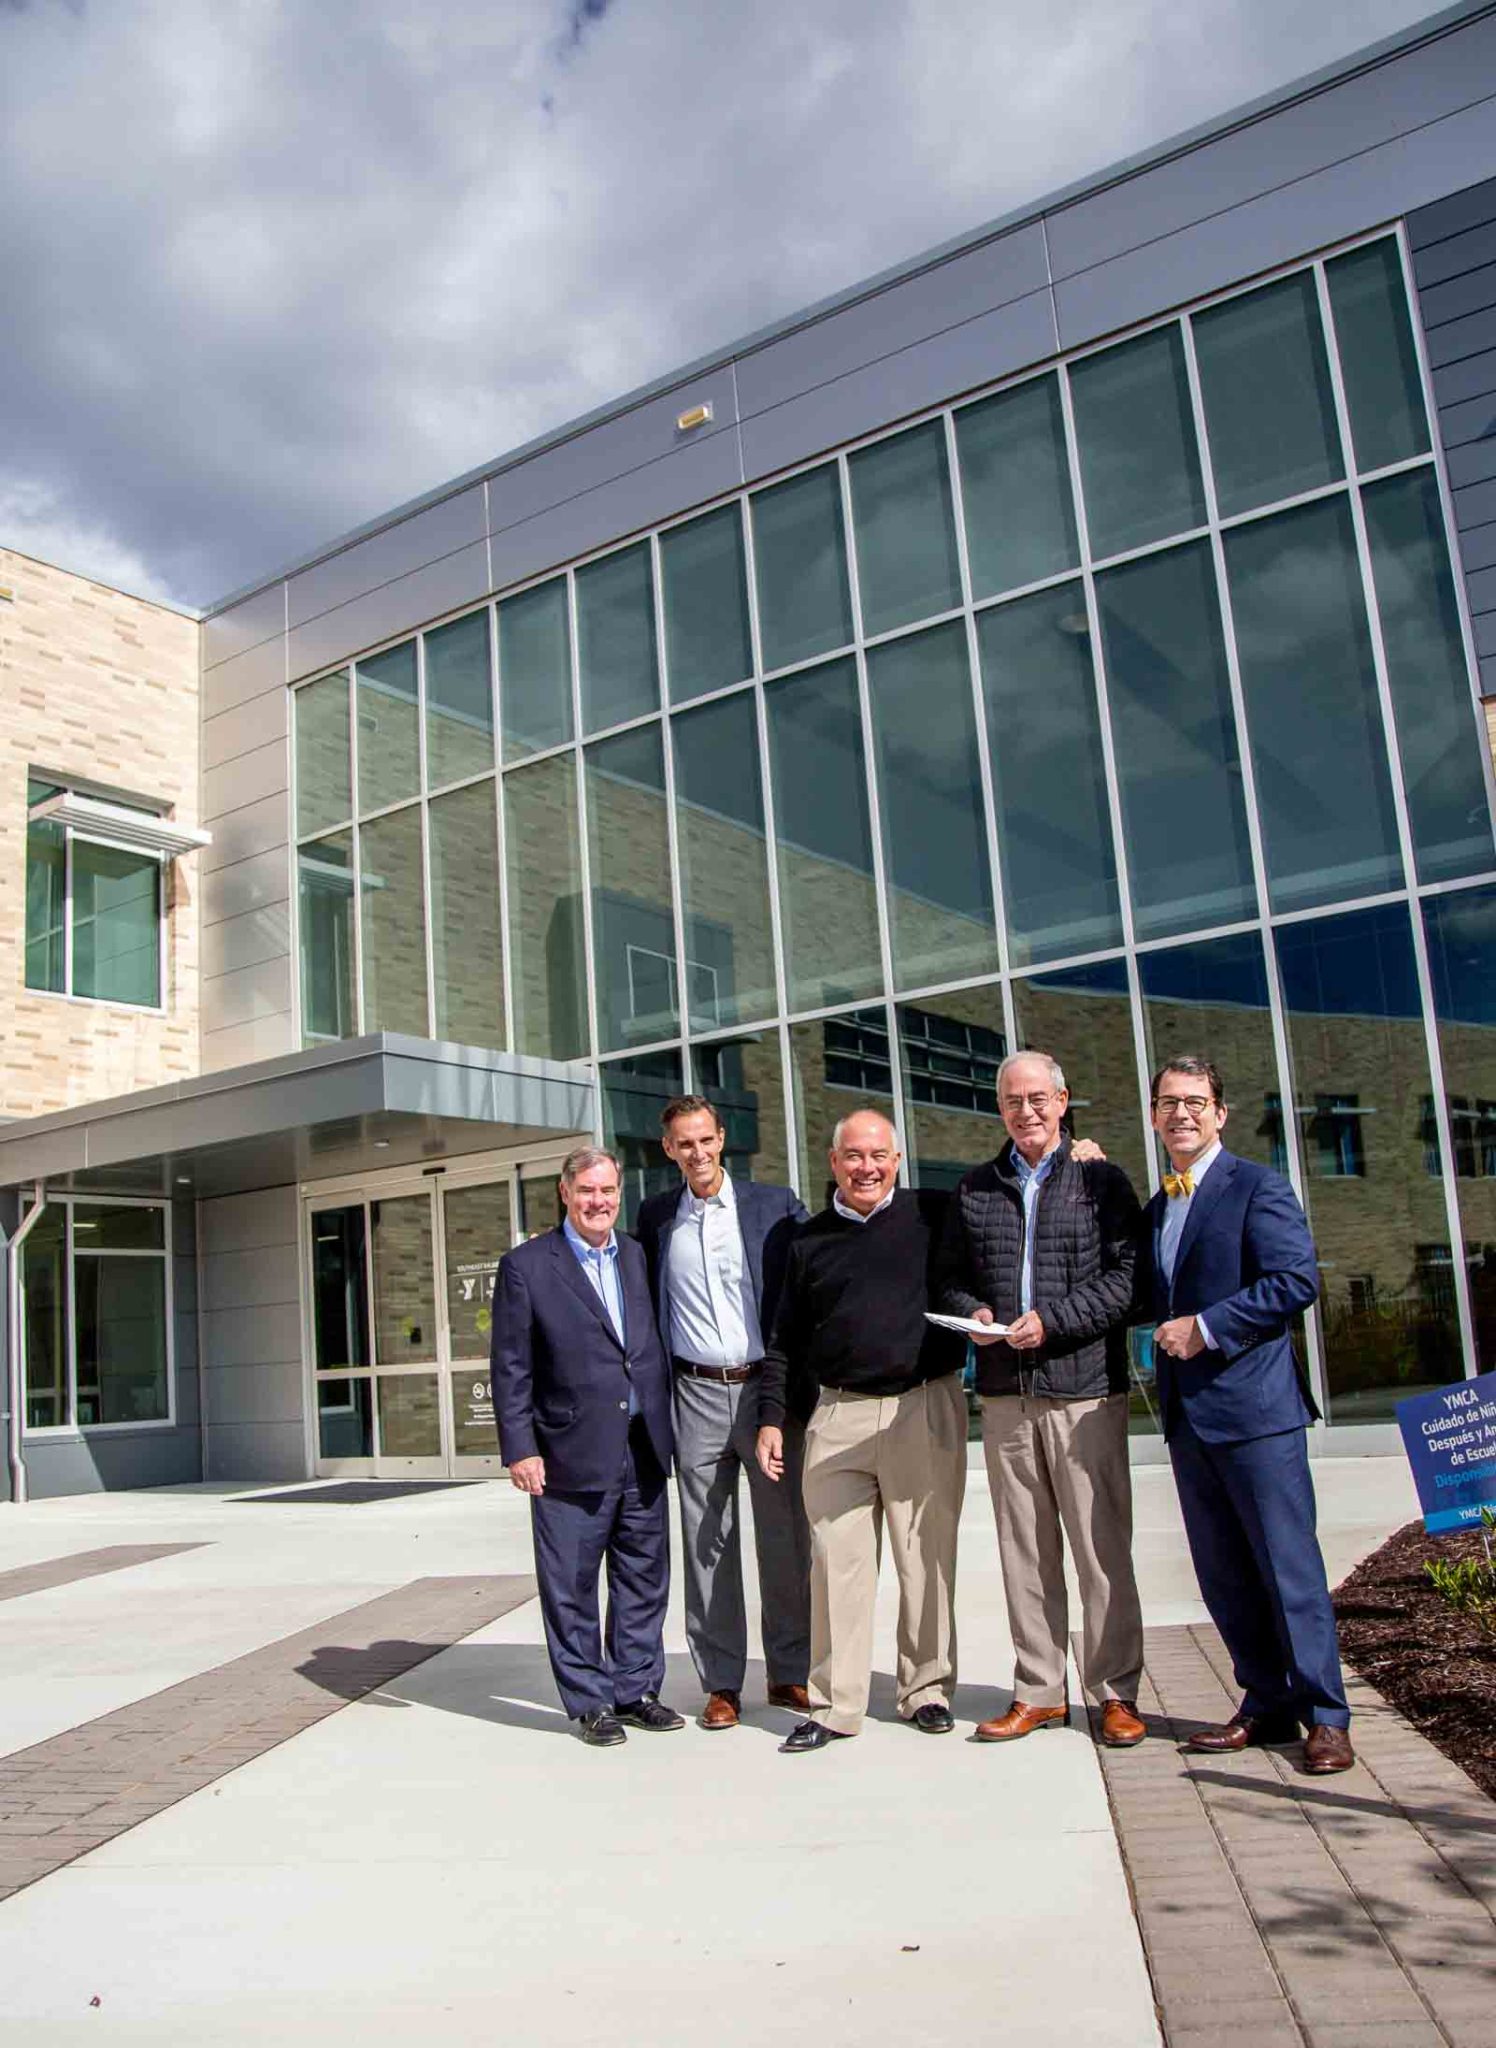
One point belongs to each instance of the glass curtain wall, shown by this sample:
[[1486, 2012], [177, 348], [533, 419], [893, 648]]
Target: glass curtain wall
[[1124, 708]]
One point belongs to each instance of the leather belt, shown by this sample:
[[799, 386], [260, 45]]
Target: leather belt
[[723, 1375]]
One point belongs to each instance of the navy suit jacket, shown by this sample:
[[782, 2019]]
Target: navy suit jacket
[[768, 1217], [1247, 1263], [560, 1376]]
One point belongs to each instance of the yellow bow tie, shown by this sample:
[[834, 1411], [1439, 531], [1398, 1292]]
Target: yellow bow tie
[[1179, 1184]]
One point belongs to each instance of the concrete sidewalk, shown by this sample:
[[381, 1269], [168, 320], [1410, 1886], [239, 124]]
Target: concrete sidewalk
[[440, 1853]]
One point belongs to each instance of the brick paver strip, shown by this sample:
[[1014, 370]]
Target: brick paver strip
[[1347, 1912], [84, 1564], [75, 1791]]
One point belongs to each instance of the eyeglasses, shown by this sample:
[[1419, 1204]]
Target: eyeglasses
[[1195, 1104], [1037, 1103]]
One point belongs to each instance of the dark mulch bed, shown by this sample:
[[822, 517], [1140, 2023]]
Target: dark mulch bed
[[1436, 1667]]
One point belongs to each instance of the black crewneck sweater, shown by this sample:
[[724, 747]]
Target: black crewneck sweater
[[852, 1314]]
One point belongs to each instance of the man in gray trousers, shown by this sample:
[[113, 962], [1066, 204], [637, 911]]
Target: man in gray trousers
[[716, 1249]]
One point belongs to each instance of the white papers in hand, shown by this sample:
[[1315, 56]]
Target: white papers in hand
[[967, 1325]]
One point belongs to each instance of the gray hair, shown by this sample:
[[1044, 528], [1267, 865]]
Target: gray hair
[[867, 1109], [1045, 1059], [582, 1159]]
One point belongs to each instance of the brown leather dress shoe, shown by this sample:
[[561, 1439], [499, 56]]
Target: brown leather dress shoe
[[721, 1710], [1327, 1749], [1021, 1720], [1120, 1725], [1243, 1731], [795, 1697]]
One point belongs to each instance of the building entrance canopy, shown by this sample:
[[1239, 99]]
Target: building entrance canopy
[[353, 1107]]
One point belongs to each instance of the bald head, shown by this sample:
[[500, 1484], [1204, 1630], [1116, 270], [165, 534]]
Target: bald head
[[865, 1159]]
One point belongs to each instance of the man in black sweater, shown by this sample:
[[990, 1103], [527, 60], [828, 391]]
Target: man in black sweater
[[885, 1444]]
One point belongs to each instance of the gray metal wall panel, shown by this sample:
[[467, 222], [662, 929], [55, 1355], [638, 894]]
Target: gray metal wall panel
[[239, 1045], [252, 1279], [252, 1335], [1456, 256], [1469, 208], [1472, 421], [248, 624], [241, 834], [1475, 463], [1456, 339], [246, 941], [237, 1338], [391, 610], [644, 436], [641, 498], [1484, 630], [250, 884], [248, 675], [260, 990], [1468, 379], [908, 382], [1276, 227], [1291, 145], [239, 1223], [265, 1451], [1471, 292], [254, 723], [266, 771], [429, 536], [100, 1464], [898, 318], [1478, 548]]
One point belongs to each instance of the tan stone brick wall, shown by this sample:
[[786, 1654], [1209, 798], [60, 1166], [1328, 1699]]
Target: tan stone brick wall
[[102, 686]]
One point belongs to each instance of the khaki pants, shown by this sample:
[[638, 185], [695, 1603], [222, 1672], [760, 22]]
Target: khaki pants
[[1048, 1463], [900, 1461]]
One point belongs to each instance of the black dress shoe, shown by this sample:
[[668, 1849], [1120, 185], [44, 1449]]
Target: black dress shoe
[[650, 1713], [810, 1735], [600, 1728], [932, 1719]]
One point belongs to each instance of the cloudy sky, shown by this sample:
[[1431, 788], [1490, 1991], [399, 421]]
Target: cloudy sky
[[272, 266]]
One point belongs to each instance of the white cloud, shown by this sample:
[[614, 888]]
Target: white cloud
[[273, 268]]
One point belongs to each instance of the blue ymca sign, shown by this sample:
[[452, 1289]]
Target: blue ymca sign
[[1450, 1439]]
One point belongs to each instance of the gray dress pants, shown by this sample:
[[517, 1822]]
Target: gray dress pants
[[716, 1429]]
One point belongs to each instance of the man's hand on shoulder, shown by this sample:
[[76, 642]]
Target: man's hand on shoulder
[[1180, 1337], [528, 1474], [770, 1448], [1085, 1150]]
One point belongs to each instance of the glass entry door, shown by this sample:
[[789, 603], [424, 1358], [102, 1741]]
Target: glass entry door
[[402, 1288]]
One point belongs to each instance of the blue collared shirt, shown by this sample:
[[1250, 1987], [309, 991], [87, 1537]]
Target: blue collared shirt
[[600, 1264], [1176, 1215], [1030, 1180]]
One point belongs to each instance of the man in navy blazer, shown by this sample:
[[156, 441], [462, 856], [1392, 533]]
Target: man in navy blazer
[[582, 1400], [717, 1249], [1227, 1263]]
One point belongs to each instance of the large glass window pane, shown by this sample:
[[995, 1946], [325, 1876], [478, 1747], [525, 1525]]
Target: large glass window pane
[[800, 562], [1139, 469], [477, 1230], [1362, 1098], [1323, 790], [324, 873], [1462, 961], [459, 700], [930, 807], [546, 940], [116, 924], [1269, 408], [634, 1091], [951, 1047], [404, 1280], [742, 1078], [707, 643], [1188, 855], [394, 925], [827, 898], [1212, 999], [1082, 1017], [120, 1310], [324, 756], [1054, 830], [1438, 740], [410, 1424], [907, 566], [46, 906], [118, 1227], [719, 826], [466, 946], [389, 748], [340, 1298], [633, 923], [1383, 390], [44, 1332], [345, 1418], [1015, 488], [616, 638], [535, 669], [837, 1065]]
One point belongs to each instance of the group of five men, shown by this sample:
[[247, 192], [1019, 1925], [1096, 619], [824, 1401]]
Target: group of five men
[[738, 1335]]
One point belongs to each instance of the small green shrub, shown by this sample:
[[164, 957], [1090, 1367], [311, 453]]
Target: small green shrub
[[1469, 1584]]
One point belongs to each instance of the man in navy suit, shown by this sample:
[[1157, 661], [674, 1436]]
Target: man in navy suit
[[582, 1399], [717, 1249], [1227, 1263]]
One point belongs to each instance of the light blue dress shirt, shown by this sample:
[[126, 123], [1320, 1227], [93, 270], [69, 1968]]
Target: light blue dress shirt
[[600, 1264], [1030, 1180], [1176, 1215], [711, 1314]]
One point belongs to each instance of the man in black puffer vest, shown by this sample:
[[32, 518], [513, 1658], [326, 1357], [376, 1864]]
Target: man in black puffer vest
[[1045, 1244]]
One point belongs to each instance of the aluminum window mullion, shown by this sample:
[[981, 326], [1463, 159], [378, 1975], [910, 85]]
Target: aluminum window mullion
[[1463, 1305], [501, 823], [579, 751], [875, 812], [357, 919], [421, 783], [371, 1373], [67, 910], [70, 1318], [672, 837]]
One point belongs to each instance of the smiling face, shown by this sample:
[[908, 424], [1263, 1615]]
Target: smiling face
[[1031, 1107], [1187, 1115], [592, 1201], [866, 1162], [694, 1142]]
